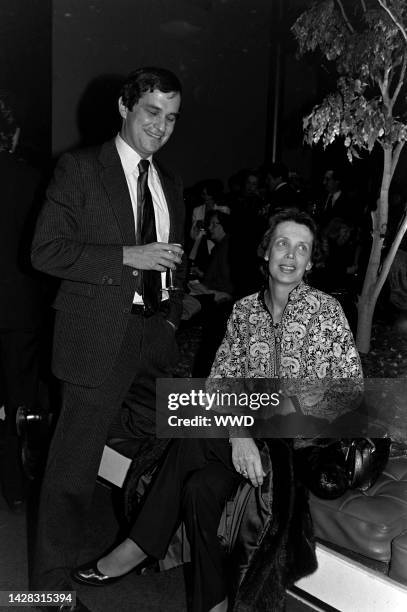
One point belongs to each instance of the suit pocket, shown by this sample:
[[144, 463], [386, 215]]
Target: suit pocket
[[78, 288]]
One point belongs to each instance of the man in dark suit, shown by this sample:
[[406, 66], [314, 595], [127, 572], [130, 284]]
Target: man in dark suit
[[111, 228], [338, 204], [280, 193], [20, 302]]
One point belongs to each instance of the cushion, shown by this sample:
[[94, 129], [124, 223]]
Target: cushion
[[367, 522]]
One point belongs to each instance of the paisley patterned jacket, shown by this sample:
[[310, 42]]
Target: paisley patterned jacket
[[311, 351]]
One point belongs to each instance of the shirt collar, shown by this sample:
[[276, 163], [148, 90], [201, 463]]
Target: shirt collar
[[294, 294], [128, 156]]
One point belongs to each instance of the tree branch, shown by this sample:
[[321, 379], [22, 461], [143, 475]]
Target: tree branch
[[400, 81], [400, 26], [385, 89], [381, 87], [345, 17]]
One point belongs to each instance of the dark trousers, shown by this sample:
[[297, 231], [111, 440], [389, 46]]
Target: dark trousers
[[87, 414], [193, 484], [19, 364]]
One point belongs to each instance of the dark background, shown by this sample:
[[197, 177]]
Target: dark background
[[26, 68], [245, 92]]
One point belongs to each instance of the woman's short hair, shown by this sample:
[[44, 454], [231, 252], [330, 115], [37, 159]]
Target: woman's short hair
[[145, 80], [297, 216], [222, 217]]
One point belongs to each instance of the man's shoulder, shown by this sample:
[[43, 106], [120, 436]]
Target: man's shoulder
[[105, 152]]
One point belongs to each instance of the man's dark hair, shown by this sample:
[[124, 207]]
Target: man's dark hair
[[337, 174], [277, 169], [148, 79], [297, 216]]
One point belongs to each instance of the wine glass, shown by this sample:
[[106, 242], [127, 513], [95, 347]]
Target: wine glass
[[170, 276]]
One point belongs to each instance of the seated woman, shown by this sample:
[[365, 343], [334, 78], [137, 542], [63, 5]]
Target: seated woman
[[289, 330]]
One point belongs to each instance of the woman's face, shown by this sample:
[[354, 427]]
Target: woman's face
[[289, 253]]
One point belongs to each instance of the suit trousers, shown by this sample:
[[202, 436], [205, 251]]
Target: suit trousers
[[193, 485], [148, 351]]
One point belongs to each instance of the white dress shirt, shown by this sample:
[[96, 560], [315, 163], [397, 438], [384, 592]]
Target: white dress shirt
[[130, 160]]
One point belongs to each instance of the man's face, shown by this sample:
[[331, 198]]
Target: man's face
[[330, 184], [150, 123], [289, 253]]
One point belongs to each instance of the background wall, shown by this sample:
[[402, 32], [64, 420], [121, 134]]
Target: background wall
[[25, 52], [219, 49]]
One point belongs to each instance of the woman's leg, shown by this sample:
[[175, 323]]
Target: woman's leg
[[160, 514], [204, 496]]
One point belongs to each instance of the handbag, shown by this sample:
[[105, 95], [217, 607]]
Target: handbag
[[329, 468], [365, 460]]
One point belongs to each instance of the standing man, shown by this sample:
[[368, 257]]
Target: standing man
[[337, 203], [111, 228]]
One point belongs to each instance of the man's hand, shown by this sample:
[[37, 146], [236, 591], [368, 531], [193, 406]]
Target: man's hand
[[246, 459], [157, 256]]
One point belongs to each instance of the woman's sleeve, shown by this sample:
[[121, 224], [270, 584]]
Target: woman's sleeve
[[228, 359], [338, 387]]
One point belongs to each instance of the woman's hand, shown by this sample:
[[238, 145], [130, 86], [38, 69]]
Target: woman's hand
[[246, 459]]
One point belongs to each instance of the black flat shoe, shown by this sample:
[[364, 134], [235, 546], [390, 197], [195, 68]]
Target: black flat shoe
[[90, 575]]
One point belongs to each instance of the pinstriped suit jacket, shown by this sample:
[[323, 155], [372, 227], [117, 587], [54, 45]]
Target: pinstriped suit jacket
[[86, 220]]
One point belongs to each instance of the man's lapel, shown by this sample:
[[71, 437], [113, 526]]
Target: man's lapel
[[115, 183], [170, 194]]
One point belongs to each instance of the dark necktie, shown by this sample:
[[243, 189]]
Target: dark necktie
[[329, 203], [146, 233]]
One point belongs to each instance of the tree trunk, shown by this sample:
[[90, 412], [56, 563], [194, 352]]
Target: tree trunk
[[368, 298], [366, 309]]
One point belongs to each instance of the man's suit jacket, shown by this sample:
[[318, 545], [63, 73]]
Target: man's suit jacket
[[86, 220], [20, 290], [343, 208]]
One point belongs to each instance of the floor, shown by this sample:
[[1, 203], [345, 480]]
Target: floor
[[165, 591], [149, 593]]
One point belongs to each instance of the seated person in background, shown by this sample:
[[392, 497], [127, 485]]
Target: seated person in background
[[216, 278], [288, 330], [211, 197], [215, 293]]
